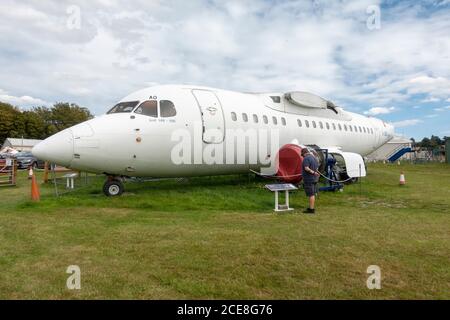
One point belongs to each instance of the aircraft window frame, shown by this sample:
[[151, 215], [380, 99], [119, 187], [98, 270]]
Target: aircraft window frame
[[334, 126], [134, 103], [299, 123], [244, 117], [345, 127], [169, 107], [340, 127], [265, 119], [233, 116], [283, 121], [350, 127], [327, 125], [307, 123], [360, 130], [148, 115], [320, 124], [275, 120], [364, 129], [314, 124], [255, 118]]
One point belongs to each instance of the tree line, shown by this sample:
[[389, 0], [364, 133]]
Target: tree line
[[39, 122], [430, 143]]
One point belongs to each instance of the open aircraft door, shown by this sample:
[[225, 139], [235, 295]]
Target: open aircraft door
[[212, 116], [354, 162]]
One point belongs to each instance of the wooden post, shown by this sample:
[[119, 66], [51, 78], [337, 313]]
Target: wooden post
[[45, 172], [14, 169]]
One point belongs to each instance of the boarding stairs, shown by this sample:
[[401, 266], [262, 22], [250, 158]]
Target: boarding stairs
[[398, 153]]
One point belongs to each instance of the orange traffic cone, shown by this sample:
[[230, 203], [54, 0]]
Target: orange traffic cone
[[402, 179], [30, 172], [35, 194]]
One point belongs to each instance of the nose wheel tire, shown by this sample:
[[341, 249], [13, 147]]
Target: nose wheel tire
[[113, 188]]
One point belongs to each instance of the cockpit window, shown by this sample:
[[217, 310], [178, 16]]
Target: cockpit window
[[167, 109], [275, 99], [123, 107], [148, 108]]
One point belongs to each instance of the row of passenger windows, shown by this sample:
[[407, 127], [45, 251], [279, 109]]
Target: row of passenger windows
[[147, 108], [307, 123], [265, 119]]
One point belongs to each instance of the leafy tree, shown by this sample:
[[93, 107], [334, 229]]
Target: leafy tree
[[65, 115], [39, 122], [435, 141], [8, 120], [431, 143]]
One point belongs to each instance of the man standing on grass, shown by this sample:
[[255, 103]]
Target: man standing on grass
[[310, 178]]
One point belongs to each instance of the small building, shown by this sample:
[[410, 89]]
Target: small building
[[399, 148], [20, 144]]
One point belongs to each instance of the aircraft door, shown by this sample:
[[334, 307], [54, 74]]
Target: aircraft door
[[212, 116]]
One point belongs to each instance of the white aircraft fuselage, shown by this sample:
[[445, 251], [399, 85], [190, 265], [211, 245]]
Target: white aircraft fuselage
[[129, 142]]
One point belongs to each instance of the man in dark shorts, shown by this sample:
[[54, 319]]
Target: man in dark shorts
[[310, 178]]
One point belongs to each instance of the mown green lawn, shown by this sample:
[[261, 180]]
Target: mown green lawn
[[217, 237]]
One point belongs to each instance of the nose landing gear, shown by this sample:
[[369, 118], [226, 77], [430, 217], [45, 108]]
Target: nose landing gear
[[113, 187]]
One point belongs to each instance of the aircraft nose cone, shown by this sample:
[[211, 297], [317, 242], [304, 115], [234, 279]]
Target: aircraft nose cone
[[56, 149]]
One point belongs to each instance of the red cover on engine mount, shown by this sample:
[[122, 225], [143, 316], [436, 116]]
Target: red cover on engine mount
[[290, 161]]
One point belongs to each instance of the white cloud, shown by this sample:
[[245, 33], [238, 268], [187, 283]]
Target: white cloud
[[379, 110], [406, 123], [442, 109], [435, 86], [22, 101], [430, 99]]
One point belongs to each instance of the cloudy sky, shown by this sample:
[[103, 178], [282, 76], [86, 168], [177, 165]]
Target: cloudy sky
[[395, 65]]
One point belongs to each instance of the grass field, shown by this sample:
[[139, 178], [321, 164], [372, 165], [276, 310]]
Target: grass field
[[219, 238]]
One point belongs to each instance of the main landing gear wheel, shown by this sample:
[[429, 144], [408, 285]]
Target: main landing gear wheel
[[113, 188]]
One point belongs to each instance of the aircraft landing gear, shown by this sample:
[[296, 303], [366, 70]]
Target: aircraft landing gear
[[113, 187]]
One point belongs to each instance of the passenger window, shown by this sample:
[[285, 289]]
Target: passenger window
[[274, 119], [351, 129], [167, 109], [148, 108], [328, 125], [299, 122], [283, 121], [255, 118], [360, 130], [314, 124], [245, 117], [334, 126], [266, 121], [364, 129], [233, 116], [345, 127], [123, 107], [320, 124], [340, 128], [307, 123]]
